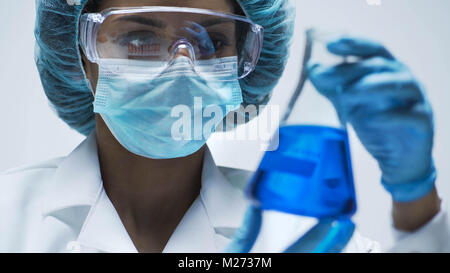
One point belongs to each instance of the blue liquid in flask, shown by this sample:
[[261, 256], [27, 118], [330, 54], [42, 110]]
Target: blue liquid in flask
[[310, 174]]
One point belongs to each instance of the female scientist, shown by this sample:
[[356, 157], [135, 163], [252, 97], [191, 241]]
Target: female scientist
[[121, 72]]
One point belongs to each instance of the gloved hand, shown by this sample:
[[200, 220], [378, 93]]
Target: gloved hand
[[245, 237], [387, 108], [327, 236], [205, 44]]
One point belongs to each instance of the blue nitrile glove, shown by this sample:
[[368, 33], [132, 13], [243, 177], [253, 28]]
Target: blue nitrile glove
[[388, 109], [245, 237], [205, 44], [327, 236]]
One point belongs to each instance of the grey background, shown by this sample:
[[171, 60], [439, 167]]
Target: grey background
[[416, 31]]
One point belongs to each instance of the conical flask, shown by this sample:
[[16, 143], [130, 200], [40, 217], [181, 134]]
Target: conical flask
[[310, 174]]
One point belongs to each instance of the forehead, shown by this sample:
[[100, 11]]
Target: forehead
[[217, 5]]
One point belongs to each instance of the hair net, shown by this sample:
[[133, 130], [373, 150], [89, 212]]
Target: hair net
[[64, 81]]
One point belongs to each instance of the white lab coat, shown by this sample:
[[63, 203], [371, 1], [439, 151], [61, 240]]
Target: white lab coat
[[61, 206]]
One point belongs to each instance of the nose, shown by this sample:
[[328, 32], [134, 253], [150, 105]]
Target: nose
[[182, 47], [181, 51]]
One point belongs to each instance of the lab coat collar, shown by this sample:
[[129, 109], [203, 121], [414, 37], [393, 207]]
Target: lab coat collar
[[224, 203], [206, 226], [77, 181], [214, 216], [103, 230]]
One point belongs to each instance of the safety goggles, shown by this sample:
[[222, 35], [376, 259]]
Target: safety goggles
[[154, 37]]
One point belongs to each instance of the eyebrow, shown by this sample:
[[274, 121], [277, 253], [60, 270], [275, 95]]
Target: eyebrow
[[160, 24], [142, 20]]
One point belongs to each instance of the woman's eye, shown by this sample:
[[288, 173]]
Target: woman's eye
[[218, 44], [140, 43], [136, 38], [219, 41]]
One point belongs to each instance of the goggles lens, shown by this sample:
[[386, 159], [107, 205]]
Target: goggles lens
[[159, 36]]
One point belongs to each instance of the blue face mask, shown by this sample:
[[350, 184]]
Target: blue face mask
[[168, 116]]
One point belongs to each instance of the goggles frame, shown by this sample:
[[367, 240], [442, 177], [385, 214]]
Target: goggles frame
[[90, 23]]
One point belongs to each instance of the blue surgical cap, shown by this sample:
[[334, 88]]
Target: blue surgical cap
[[59, 61]]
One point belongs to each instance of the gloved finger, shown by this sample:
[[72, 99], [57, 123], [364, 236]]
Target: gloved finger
[[192, 26], [359, 47], [192, 32], [198, 27], [327, 78], [388, 123], [381, 92], [389, 135], [309, 242], [245, 237], [204, 41], [338, 237]]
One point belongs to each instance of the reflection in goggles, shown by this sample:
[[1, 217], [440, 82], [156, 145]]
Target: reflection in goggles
[[144, 50], [200, 33], [149, 34], [151, 39]]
